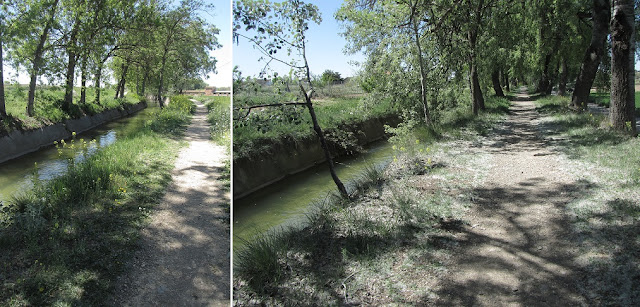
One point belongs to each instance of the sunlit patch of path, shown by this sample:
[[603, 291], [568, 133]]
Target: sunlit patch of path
[[184, 258], [517, 250]]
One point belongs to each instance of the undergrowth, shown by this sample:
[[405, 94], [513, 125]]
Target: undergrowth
[[371, 248], [48, 102], [65, 241]]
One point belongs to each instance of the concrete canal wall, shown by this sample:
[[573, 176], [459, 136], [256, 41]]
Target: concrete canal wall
[[290, 157], [18, 143]]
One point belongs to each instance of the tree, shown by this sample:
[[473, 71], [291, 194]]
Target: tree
[[185, 41], [35, 13], [284, 25], [622, 66], [377, 26], [330, 77], [3, 17], [601, 10]]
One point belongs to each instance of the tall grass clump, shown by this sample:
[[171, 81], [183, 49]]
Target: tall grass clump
[[219, 119], [67, 240], [173, 117]]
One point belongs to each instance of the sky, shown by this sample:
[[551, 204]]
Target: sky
[[220, 17], [324, 48]]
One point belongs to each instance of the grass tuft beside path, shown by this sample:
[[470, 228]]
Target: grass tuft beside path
[[65, 242]]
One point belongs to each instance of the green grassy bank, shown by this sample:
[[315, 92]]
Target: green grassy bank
[[48, 102], [258, 131], [371, 249], [66, 241]]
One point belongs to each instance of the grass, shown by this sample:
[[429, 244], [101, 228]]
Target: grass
[[48, 101], [256, 132], [219, 118], [67, 240], [382, 245], [604, 99], [606, 220]]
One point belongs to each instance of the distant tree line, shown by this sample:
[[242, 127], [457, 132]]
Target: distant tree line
[[149, 46]]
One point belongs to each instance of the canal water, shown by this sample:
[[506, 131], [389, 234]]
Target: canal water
[[17, 175], [286, 202]]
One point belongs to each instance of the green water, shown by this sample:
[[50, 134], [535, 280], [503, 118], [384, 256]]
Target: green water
[[285, 202], [17, 175]]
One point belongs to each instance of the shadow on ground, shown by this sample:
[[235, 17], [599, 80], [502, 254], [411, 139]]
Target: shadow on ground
[[519, 264]]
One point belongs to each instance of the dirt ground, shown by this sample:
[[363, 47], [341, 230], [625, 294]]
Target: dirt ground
[[184, 257], [516, 252]]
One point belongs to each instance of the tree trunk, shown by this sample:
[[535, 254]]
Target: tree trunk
[[506, 80], [562, 85], [96, 83], [83, 81], [37, 59], [622, 67], [423, 79], [3, 110], [601, 15], [544, 87], [71, 67], [122, 82], [472, 35], [161, 84], [495, 79], [316, 126], [144, 81]]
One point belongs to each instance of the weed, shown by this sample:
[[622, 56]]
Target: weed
[[67, 240]]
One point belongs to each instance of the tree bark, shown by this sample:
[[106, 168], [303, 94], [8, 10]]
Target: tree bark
[[161, 84], [317, 129], [562, 84], [506, 81], [495, 79], [3, 110], [71, 67], [37, 59], [122, 82], [472, 36], [83, 80], [423, 79], [622, 67], [601, 15], [96, 82]]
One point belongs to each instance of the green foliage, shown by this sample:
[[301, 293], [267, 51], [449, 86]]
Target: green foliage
[[67, 240], [220, 119], [261, 129], [173, 118], [329, 77]]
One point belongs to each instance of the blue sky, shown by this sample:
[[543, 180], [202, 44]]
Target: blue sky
[[324, 48], [220, 17]]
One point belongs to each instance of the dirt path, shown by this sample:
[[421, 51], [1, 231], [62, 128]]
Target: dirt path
[[517, 251], [184, 256]]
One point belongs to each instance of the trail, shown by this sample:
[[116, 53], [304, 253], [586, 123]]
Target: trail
[[184, 256], [517, 250]]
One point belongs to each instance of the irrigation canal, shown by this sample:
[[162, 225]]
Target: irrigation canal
[[18, 175], [285, 202]]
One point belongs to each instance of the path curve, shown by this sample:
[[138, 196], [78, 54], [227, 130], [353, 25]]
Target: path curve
[[184, 257], [517, 250]]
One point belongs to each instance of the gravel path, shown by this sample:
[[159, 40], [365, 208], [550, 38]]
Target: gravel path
[[184, 256], [516, 251]]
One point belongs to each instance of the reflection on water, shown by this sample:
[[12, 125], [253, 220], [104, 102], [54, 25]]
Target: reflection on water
[[285, 202], [17, 175]]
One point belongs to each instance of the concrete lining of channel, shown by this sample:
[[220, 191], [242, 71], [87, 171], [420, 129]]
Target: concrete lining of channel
[[251, 174], [18, 143]]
